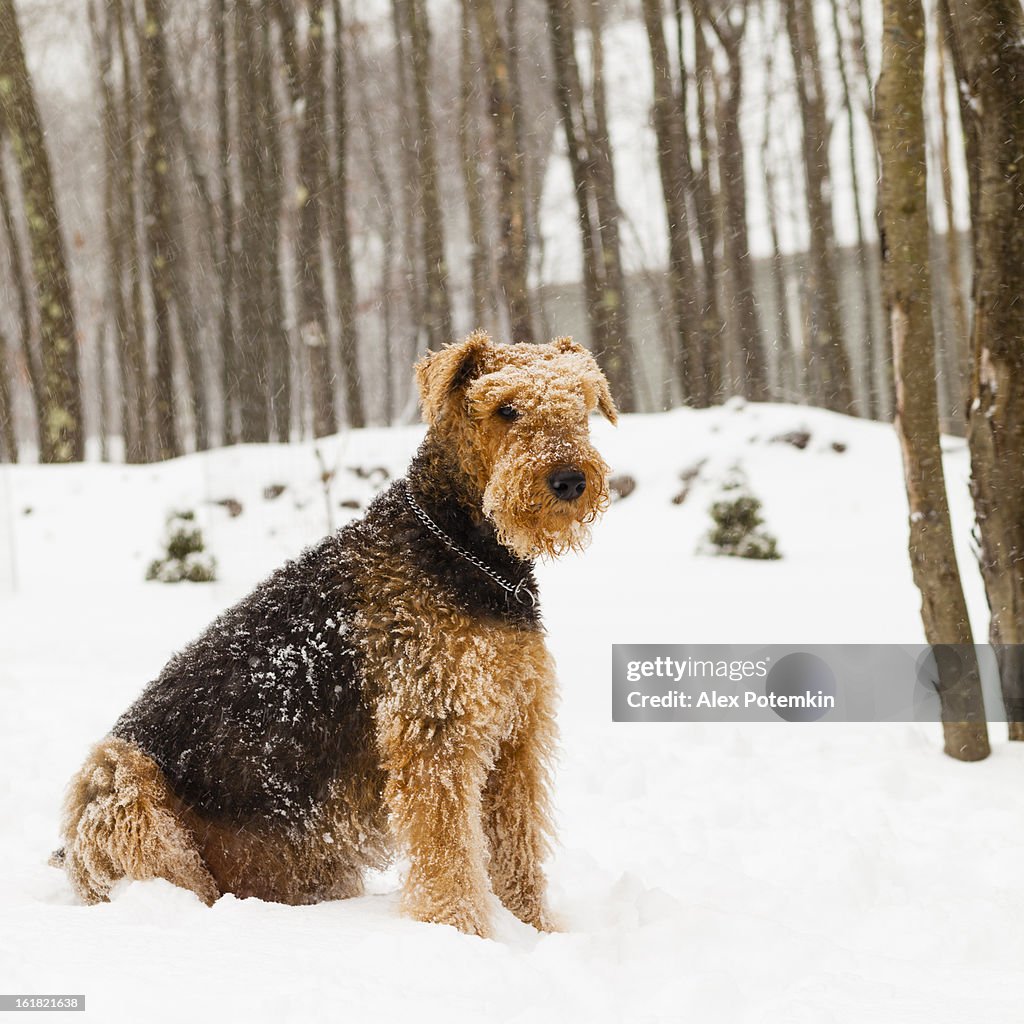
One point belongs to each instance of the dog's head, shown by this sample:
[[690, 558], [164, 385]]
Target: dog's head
[[517, 418]]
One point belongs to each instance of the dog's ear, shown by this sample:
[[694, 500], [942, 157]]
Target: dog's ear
[[595, 377], [566, 344], [604, 398], [441, 374]]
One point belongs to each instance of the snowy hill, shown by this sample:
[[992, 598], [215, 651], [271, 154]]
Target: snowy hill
[[706, 872]]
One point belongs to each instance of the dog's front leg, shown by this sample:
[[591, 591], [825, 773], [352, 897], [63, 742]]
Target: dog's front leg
[[517, 816], [435, 774]]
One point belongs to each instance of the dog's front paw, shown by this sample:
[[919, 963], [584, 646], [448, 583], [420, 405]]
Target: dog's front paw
[[472, 919], [537, 916], [470, 922], [546, 922]]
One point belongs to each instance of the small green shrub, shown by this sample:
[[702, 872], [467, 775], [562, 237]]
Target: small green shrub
[[737, 531], [187, 559]]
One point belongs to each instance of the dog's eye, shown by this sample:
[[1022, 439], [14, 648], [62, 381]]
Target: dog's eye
[[508, 412]]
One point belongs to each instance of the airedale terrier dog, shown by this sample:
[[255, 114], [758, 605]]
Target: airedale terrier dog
[[387, 692]]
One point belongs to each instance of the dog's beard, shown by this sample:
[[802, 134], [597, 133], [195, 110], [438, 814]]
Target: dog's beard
[[530, 520]]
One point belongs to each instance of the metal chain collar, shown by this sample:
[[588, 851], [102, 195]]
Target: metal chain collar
[[520, 591]]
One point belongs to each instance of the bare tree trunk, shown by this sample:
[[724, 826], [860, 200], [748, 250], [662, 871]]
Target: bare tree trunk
[[412, 189], [181, 275], [864, 266], [103, 392], [609, 351], [789, 384], [513, 258], [830, 361], [613, 304], [312, 174], [437, 312], [225, 250], [469, 149], [673, 165], [341, 246], [62, 434], [899, 124], [116, 212], [531, 145], [269, 183], [8, 438], [182, 278], [732, 174], [160, 244], [386, 206], [134, 356], [22, 287], [990, 41], [881, 367], [712, 326], [569, 98], [958, 368], [252, 349]]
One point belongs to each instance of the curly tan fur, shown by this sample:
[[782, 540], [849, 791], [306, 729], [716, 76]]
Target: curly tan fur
[[120, 821], [465, 727]]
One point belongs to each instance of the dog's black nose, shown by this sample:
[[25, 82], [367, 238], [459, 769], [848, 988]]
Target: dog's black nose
[[567, 484]]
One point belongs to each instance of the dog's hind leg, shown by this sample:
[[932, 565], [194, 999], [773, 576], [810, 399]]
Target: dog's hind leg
[[119, 822]]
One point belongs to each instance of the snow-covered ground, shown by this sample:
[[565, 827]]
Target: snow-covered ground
[[782, 873]]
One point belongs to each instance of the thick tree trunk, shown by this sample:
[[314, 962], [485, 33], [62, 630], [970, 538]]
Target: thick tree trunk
[[733, 178], [158, 206], [881, 368], [252, 350], [189, 329], [613, 304], [117, 219], [704, 203], [830, 362], [22, 287], [513, 259], [188, 319], [789, 387], [269, 182], [134, 359], [469, 154], [569, 99], [389, 216], [411, 192], [906, 276], [437, 312], [62, 432], [673, 166], [341, 246], [533, 144], [990, 40], [865, 267], [609, 350], [226, 246], [737, 242], [958, 363], [312, 176]]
